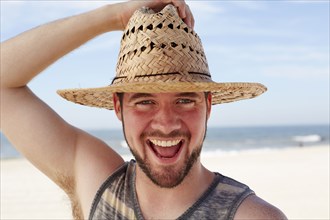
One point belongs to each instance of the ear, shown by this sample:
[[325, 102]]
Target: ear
[[117, 106], [208, 105]]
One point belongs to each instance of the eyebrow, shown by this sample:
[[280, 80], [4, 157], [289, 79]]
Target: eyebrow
[[150, 95], [140, 95], [187, 94]]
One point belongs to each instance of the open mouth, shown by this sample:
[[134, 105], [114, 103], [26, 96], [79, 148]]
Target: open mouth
[[165, 149]]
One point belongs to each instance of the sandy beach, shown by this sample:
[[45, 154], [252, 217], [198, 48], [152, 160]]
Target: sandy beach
[[294, 179]]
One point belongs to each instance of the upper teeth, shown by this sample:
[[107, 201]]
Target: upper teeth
[[165, 143]]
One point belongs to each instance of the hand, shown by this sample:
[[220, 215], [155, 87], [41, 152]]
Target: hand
[[128, 8]]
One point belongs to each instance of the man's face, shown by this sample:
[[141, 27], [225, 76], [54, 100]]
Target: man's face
[[165, 132]]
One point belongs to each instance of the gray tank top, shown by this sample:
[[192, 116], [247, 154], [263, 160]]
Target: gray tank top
[[116, 198]]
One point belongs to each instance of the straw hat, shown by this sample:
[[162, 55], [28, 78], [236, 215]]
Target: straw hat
[[160, 53]]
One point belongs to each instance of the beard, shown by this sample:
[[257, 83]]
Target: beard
[[169, 176]]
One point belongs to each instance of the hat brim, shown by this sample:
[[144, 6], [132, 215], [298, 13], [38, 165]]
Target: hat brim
[[102, 97]]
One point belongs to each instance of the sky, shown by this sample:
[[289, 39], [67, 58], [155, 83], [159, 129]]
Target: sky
[[281, 44]]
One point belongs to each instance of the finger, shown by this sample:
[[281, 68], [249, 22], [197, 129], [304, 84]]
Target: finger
[[192, 20], [179, 4], [189, 20], [181, 7], [184, 12]]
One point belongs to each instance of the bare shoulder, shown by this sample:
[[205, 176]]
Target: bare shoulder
[[254, 207], [94, 162]]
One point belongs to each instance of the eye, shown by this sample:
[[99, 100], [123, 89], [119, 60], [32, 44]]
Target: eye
[[144, 105], [144, 102], [185, 101]]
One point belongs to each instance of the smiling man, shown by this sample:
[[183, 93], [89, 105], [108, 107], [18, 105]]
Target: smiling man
[[165, 141], [162, 93]]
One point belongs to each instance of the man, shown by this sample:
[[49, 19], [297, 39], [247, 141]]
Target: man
[[162, 83]]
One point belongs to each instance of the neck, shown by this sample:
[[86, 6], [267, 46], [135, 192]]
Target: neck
[[170, 203]]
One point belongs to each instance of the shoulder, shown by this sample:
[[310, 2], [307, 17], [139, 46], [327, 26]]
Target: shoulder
[[94, 162], [114, 191], [254, 207]]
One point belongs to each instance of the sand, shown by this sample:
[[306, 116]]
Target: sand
[[296, 180]]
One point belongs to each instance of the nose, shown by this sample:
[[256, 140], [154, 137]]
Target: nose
[[166, 120]]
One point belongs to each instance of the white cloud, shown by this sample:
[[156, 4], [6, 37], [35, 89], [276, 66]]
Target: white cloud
[[19, 16], [108, 42], [272, 53], [205, 7], [10, 12], [298, 72], [299, 62], [86, 4], [309, 2], [48, 9], [251, 5]]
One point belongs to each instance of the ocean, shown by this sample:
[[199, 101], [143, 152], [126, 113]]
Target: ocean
[[223, 139]]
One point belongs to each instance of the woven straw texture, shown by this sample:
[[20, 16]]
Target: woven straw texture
[[160, 53]]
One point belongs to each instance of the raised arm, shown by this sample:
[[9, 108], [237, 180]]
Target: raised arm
[[73, 159], [53, 146]]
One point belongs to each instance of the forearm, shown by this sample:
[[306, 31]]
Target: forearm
[[27, 54]]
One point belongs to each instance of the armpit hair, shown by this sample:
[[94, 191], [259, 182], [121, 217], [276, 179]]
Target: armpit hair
[[69, 186]]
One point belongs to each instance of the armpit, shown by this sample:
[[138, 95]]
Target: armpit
[[68, 185]]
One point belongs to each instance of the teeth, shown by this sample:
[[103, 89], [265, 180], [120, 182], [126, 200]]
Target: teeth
[[165, 143]]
